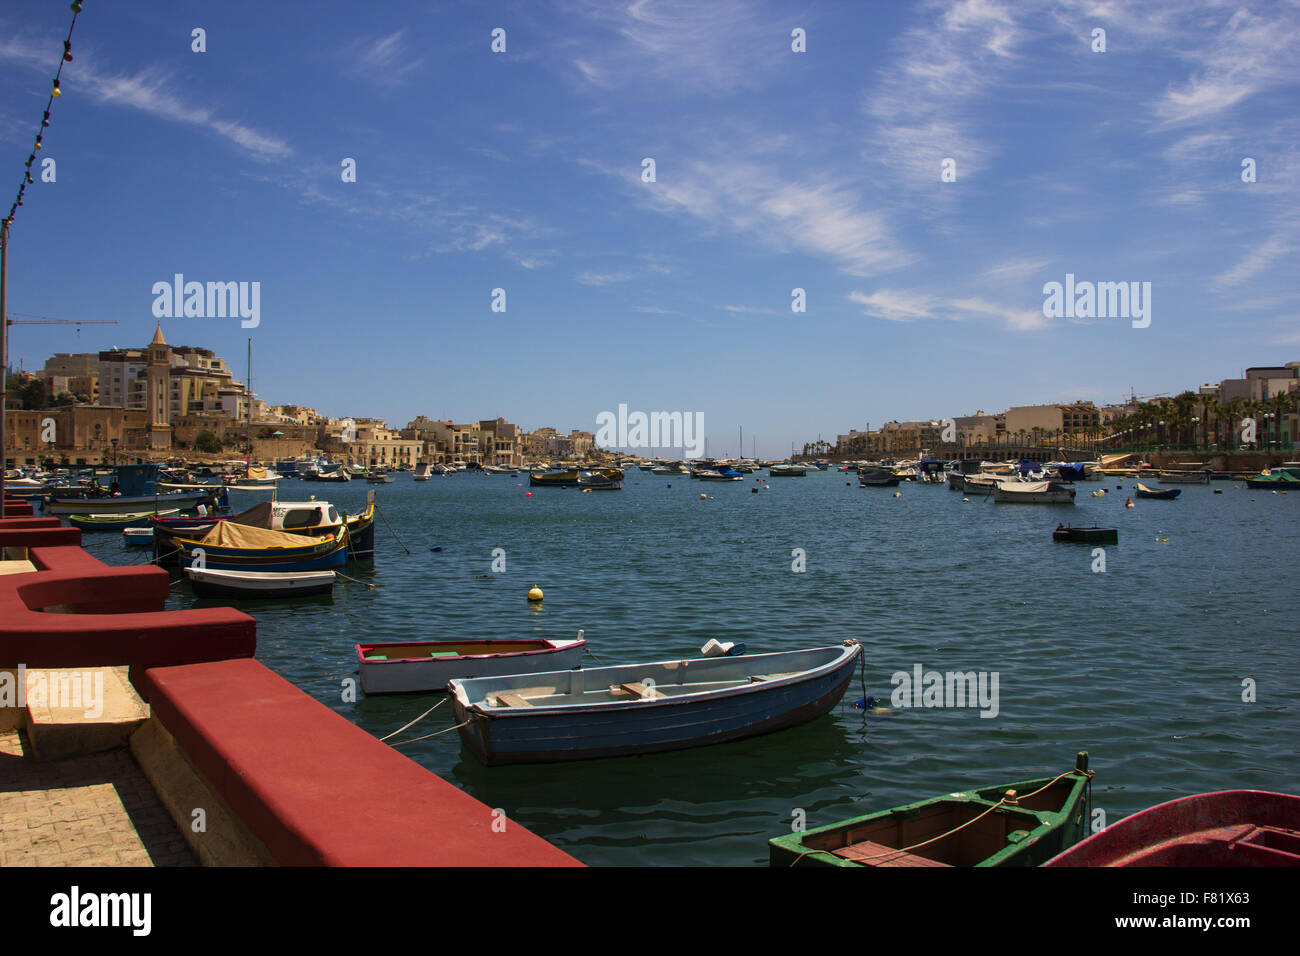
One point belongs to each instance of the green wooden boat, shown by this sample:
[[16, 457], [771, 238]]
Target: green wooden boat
[[1018, 824]]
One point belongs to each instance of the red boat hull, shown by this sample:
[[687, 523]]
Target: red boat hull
[[1230, 828]]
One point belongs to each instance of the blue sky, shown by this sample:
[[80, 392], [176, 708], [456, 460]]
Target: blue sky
[[775, 170]]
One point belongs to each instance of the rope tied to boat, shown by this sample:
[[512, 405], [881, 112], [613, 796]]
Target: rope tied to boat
[[445, 730], [380, 512], [416, 721], [897, 854]]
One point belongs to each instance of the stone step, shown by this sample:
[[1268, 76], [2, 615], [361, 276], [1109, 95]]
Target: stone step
[[81, 711]]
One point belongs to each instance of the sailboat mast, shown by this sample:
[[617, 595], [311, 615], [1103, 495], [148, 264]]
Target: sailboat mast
[[249, 398]]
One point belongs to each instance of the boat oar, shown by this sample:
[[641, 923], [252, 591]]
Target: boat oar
[[391, 531]]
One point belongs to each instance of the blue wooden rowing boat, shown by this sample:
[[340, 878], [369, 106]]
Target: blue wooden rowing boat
[[647, 708]]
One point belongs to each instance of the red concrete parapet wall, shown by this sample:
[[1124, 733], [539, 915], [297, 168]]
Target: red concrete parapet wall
[[303, 780], [316, 789], [76, 611]]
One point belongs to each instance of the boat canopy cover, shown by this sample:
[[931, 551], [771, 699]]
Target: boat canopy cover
[[227, 534], [1026, 466], [1027, 487]]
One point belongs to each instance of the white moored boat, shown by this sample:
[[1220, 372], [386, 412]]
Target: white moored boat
[[259, 584], [425, 666], [1033, 492]]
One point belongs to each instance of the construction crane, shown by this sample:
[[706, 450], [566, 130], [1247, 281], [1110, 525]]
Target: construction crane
[[45, 320]]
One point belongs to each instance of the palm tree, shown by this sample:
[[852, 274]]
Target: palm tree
[[1182, 407], [1281, 405]]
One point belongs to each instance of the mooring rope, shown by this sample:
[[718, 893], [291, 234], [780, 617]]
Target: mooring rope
[[417, 719], [379, 511], [447, 730], [355, 580]]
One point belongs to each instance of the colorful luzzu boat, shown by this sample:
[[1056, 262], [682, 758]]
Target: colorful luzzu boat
[[233, 547]]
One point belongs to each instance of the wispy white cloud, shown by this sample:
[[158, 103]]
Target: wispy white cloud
[[818, 217], [1247, 55], [605, 278], [384, 61], [714, 48], [1018, 268], [901, 305], [149, 91], [919, 107], [749, 310], [1261, 257]]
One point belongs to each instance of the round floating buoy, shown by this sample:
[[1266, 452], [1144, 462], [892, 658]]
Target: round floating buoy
[[535, 593], [1163, 540], [1129, 503], [586, 491], [703, 496], [898, 494], [965, 499], [670, 484], [753, 491], [528, 494], [1218, 491], [847, 483]]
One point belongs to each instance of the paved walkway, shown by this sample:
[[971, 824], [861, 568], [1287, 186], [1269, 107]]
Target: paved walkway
[[96, 810]]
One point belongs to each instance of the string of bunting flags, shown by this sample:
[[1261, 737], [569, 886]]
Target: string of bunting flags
[[55, 93]]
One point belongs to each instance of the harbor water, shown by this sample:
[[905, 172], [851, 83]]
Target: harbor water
[[1171, 657]]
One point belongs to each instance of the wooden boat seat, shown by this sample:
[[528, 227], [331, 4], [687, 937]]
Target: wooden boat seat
[[877, 854], [637, 689], [507, 699]]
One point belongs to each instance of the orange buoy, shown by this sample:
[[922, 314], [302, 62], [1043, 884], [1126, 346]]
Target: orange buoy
[[1128, 503]]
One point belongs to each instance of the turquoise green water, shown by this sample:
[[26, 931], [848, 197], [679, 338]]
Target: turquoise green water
[[1141, 665]]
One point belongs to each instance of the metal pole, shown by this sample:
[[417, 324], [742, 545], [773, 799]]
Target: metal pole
[[4, 357]]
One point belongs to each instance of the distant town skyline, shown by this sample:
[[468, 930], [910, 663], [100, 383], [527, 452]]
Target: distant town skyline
[[914, 177]]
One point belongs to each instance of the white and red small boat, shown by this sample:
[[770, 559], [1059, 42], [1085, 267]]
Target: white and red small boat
[[425, 666], [1228, 828]]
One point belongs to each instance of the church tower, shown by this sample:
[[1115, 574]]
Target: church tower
[[158, 392]]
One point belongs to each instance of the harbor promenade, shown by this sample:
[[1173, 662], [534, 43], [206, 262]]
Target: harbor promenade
[[189, 750]]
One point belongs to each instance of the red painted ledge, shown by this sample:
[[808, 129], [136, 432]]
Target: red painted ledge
[[316, 789], [76, 611]]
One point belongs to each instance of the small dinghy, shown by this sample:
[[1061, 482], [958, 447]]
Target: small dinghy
[[647, 708], [1229, 828], [119, 522], [138, 537], [208, 582], [877, 478], [1093, 535], [1033, 492], [426, 666], [1163, 494], [1016, 824]]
